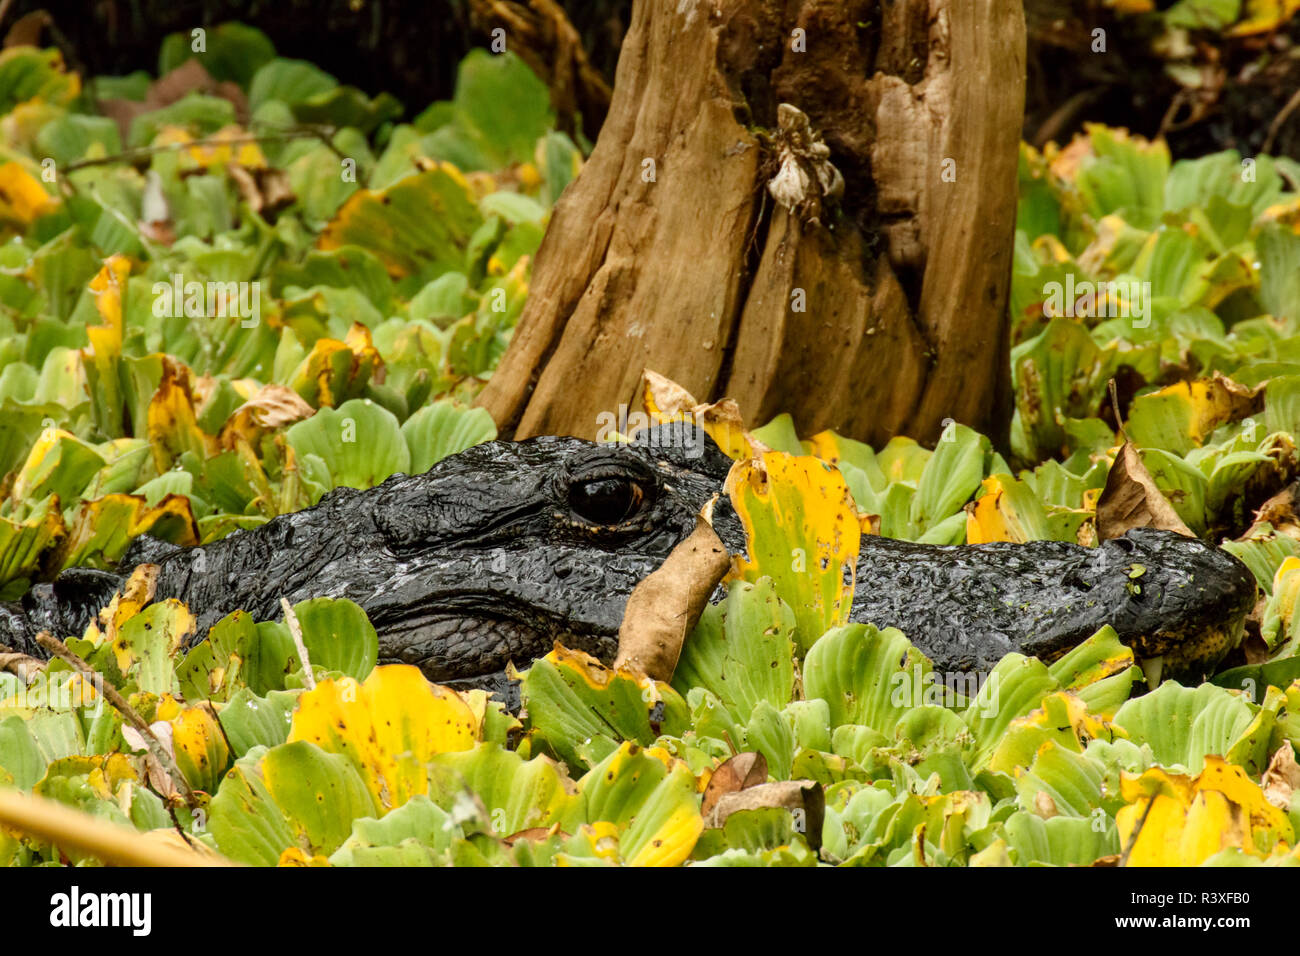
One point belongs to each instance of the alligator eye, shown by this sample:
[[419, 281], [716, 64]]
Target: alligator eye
[[606, 501]]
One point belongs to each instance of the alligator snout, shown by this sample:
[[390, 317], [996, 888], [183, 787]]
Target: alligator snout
[[1178, 602], [1186, 602]]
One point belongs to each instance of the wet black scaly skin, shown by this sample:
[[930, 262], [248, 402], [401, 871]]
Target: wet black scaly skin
[[488, 558]]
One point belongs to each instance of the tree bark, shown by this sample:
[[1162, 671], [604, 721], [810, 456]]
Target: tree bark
[[870, 298]]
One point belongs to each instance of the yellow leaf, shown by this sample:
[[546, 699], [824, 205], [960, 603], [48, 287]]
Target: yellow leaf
[[172, 623], [387, 727], [1286, 591], [1006, 510], [102, 528], [173, 422], [528, 175], [295, 856], [1196, 408], [200, 747], [129, 601], [1051, 248], [654, 804], [1265, 16], [22, 543], [108, 287], [1284, 213], [22, 197], [102, 359], [1178, 820], [322, 377], [219, 149], [803, 532]]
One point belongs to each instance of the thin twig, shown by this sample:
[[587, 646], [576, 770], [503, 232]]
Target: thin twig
[[295, 630], [1114, 404], [118, 702], [139, 152], [1276, 126]]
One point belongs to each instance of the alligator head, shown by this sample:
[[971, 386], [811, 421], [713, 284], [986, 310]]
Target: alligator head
[[488, 558], [497, 552], [501, 550]]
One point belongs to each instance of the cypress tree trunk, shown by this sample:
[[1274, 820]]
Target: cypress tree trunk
[[806, 205]]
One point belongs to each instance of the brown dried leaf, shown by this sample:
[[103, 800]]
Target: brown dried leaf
[[189, 77], [27, 29], [156, 774], [266, 190], [535, 834], [272, 406], [1281, 778], [802, 797], [664, 399], [666, 605], [1282, 512], [1132, 500], [739, 773], [158, 231]]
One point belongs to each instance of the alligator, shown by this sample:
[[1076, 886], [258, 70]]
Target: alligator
[[497, 552]]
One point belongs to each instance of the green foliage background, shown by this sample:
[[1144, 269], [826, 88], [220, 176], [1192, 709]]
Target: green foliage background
[[388, 285]]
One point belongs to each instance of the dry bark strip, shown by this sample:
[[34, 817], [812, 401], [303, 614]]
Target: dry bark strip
[[669, 253], [112, 843]]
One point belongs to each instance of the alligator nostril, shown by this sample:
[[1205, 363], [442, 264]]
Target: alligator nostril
[[1073, 579]]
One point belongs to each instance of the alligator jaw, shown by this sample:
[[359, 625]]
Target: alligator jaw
[[1189, 656], [475, 647]]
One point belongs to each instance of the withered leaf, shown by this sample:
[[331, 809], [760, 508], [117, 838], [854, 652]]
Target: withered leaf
[[187, 78], [738, 773], [1132, 500], [665, 606], [270, 407], [266, 191], [803, 797], [1282, 777], [1281, 512], [27, 29]]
